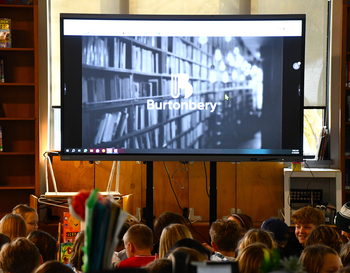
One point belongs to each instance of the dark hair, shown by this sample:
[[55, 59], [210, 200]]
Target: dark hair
[[165, 219], [46, 244], [76, 259], [189, 243], [225, 234], [19, 256], [245, 220], [157, 265], [4, 239], [54, 267]]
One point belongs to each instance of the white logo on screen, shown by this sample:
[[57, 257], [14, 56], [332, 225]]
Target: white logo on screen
[[181, 82]]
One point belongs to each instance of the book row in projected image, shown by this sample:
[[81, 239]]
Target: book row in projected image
[[187, 58], [100, 90], [114, 125]]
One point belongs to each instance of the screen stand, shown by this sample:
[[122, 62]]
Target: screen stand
[[149, 194], [212, 194]]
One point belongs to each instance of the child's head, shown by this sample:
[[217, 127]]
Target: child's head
[[46, 244], [29, 215], [306, 220], [4, 239], [325, 235], [190, 243], [76, 258], [193, 255], [165, 219], [320, 258], [13, 226], [138, 238], [225, 235], [170, 235], [257, 235], [243, 220], [54, 267], [279, 229], [19, 256], [250, 258]]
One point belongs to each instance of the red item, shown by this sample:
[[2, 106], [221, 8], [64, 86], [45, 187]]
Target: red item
[[136, 261]]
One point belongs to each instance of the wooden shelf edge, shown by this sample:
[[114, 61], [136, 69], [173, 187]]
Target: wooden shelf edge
[[16, 153], [16, 84], [17, 119], [17, 49], [16, 188], [16, 6]]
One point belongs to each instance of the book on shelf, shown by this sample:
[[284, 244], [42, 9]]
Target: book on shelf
[[2, 71], [1, 147], [111, 126], [347, 107], [71, 227], [2, 111], [5, 33], [66, 252], [347, 177]]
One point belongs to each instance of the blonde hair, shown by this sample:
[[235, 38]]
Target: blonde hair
[[251, 257], [19, 256], [257, 235], [312, 257], [170, 235], [76, 259], [13, 226], [23, 210], [308, 215]]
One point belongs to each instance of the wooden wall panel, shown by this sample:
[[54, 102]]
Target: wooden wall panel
[[164, 197], [72, 175], [226, 188], [129, 182], [260, 189], [198, 198]]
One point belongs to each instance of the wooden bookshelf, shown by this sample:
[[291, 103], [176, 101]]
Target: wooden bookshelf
[[19, 96], [121, 73]]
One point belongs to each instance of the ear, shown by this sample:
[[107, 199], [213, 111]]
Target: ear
[[214, 246], [132, 248], [41, 259]]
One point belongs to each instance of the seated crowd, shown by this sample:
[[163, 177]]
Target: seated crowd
[[313, 247]]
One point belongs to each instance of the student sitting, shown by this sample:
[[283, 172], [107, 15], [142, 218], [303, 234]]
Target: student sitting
[[306, 220], [224, 235], [46, 244], [280, 231], [250, 259], [13, 226], [19, 256], [138, 242], [29, 215], [321, 259], [325, 235]]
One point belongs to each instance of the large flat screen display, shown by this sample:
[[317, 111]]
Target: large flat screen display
[[191, 87]]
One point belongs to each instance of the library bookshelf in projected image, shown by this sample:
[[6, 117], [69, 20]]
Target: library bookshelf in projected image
[[163, 88]]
